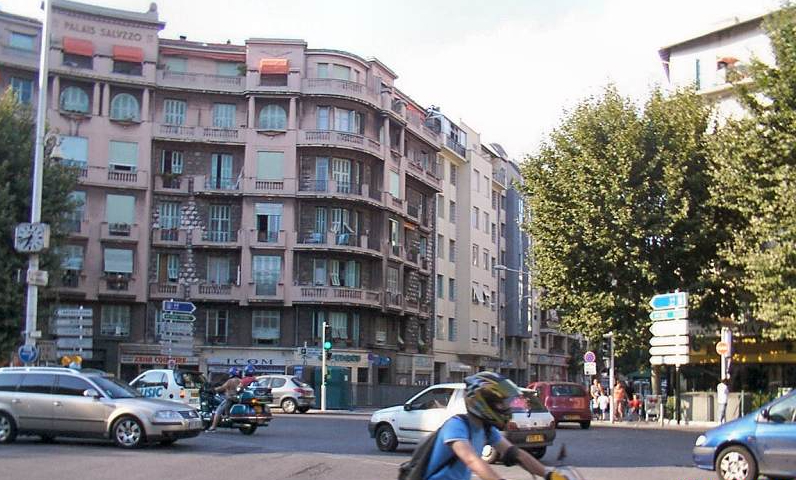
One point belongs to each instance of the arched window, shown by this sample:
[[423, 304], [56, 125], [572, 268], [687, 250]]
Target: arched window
[[273, 117], [124, 107], [74, 99]]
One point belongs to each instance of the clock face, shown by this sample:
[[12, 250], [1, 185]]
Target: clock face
[[31, 237]]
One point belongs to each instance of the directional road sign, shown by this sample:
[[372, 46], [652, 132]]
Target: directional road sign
[[669, 350], [669, 360], [181, 327], [670, 340], [671, 314], [74, 312], [182, 307], [72, 322], [73, 342], [669, 327], [177, 317], [74, 331], [669, 300], [28, 353]]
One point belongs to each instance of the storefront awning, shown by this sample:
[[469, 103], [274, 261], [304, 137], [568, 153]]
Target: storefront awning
[[128, 54], [274, 66], [77, 46]]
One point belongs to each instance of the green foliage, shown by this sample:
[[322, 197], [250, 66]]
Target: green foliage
[[619, 202], [753, 185], [17, 132]]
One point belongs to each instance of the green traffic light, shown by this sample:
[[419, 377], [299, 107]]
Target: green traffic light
[[327, 345]]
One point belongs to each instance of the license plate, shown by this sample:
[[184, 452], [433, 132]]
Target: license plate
[[192, 424], [571, 417], [534, 438]]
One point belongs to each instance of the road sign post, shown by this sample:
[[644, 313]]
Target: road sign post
[[177, 328], [670, 344]]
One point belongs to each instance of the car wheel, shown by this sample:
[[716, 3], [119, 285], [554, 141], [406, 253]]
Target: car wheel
[[736, 463], [127, 432], [303, 409], [538, 453], [289, 405], [489, 454], [386, 439], [8, 429], [248, 429], [585, 425]]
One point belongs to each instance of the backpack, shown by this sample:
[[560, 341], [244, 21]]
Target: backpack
[[415, 467]]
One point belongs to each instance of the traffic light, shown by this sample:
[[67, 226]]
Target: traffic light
[[327, 340], [605, 351]]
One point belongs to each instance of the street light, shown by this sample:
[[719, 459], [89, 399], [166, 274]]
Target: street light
[[503, 267]]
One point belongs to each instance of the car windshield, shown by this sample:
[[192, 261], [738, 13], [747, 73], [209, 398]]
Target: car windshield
[[527, 401], [301, 384], [189, 379], [567, 391], [113, 388]]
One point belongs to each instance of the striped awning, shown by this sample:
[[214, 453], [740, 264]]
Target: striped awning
[[78, 46], [274, 66]]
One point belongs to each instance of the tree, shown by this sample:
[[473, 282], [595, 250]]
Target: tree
[[753, 173], [16, 169], [619, 212]]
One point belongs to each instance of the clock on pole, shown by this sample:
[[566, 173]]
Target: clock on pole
[[31, 237]]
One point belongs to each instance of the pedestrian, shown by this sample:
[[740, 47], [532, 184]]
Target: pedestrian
[[604, 401], [722, 395], [595, 390], [635, 407], [619, 401], [457, 447]]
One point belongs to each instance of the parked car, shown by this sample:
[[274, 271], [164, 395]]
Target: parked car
[[760, 443], [290, 393], [531, 428], [52, 402], [178, 385], [566, 401]]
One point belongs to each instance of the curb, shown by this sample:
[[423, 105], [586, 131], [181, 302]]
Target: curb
[[667, 425]]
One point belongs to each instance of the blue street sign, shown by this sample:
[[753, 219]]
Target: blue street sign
[[28, 353], [669, 300], [181, 307]]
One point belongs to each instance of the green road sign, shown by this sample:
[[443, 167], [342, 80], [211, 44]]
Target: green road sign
[[671, 314]]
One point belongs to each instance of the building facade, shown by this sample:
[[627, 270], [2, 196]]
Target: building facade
[[275, 186]]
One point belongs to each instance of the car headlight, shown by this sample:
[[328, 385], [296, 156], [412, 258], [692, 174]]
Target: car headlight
[[701, 440], [167, 416]]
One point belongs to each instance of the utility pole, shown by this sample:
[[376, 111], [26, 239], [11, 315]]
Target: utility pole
[[323, 368], [611, 406]]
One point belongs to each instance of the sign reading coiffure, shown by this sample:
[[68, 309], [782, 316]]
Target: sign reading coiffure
[[103, 31]]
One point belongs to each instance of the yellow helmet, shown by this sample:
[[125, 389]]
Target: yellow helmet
[[488, 396]]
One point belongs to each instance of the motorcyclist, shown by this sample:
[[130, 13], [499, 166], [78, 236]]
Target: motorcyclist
[[230, 389], [248, 376], [457, 449]]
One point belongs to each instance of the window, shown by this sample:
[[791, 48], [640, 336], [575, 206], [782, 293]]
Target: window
[[486, 222], [37, 383], [74, 99], [474, 331], [23, 89], [123, 156], [395, 237], [323, 70], [452, 212], [115, 320], [266, 271], [175, 64], [124, 107], [78, 61], [266, 326], [74, 150], [437, 398], [486, 259], [494, 200], [440, 247], [452, 250], [452, 289], [395, 184], [452, 330], [171, 162], [503, 202], [477, 294], [174, 111], [322, 118], [484, 333], [224, 115], [319, 272], [119, 213], [486, 186], [339, 325], [341, 173], [71, 257], [168, 267], [118, 261], [219, 225], [697, 75], [783, 411], [494, 271], [475, 255], [348, 121], [221, 176], [440, 286], [273, 80], [169, 215], [503, 230], [392, 280], [216, 324], [494, 233], [439, 328], [272, 117], [270, 165], [75, 218], [127, 68], [22, 41], [218, 271], [476, 181], [475, 218], [72, 386], [268, 221], [229, 69], [440, 206], [341, 72], [454, 174]]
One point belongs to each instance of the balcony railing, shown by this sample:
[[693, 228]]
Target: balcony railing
[[394, 299], [216, 236], [314, 186], [70, 279], [119, 231], [339, 294], [221, 134], [201, 81], [340, 139], [333, 86], [215, 289], [456, 147], [499, 176], [198, 133], [116, 284], [163, 290], [222, 183]]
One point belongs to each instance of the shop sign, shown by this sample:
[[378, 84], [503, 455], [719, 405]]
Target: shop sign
[[158, 359]]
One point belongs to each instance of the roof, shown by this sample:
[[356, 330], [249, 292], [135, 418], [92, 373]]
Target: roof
[[222, 47], [19, 18], [726, 25], [150, 16]]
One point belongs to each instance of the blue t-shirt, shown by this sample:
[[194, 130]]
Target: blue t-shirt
[[452, 430]]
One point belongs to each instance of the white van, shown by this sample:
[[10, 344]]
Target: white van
[[176, 385]]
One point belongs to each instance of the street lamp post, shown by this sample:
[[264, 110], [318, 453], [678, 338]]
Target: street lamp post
[[522, 297]]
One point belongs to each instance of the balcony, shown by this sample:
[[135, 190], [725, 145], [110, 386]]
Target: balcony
[[203, 184], [256, 186], [499, 176], [456, 147], [112, 285], [200, 81], [337, 295], [396, 252], [166, 291], [72, 282], [417, 124], [188, 133], [266, 239], [394, 300], [171, 184], [210, 292], [105, 177], [349, 242], [259, 292], [329, 138], [216, 239], [342, 88], [333, 188], [119, 232], [20, 56], [78, 228], [169, 237]]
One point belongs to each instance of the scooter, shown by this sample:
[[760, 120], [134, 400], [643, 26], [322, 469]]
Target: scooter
[[247, 413]]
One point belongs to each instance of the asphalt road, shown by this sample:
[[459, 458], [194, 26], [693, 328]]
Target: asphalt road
[[314, 447]]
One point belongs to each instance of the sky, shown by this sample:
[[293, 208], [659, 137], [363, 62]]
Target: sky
[[509, 69]]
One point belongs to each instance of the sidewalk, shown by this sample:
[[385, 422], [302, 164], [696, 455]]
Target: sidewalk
[[668, 424]]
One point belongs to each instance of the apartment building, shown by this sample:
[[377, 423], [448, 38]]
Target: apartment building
[[274, 185]]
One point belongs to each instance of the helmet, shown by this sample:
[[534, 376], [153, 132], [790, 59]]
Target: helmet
[[488, 396], [234, 372], [248, 371]]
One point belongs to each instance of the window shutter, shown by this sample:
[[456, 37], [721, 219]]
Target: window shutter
[[270, 165], [120, 209], [118, 260]]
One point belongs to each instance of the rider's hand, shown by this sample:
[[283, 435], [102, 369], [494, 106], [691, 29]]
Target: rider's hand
[[563, 474]]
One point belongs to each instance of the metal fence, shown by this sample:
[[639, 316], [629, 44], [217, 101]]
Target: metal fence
[[378, 396]]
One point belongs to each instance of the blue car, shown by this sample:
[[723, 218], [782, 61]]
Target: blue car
[[760, 443]]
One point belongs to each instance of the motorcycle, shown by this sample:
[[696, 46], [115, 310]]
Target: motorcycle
[[249, 409]]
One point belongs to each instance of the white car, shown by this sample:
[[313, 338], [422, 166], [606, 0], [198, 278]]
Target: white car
[[424, 413], [176, 385]]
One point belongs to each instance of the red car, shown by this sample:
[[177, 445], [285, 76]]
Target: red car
[[566, 401]]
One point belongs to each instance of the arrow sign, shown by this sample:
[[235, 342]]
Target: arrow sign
[[74, 312], [669, 360], [672, 314], [177, 335], [669, 350], [186, 328], [182, 307], [74, 331], [72, 322], [671, 340], [669, 300], [177, 317], [669, 327]]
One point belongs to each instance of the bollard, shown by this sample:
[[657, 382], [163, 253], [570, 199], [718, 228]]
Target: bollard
[[660, 412]]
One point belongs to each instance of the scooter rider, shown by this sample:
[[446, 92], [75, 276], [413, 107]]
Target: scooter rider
[[230, 389], [248, 376]]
